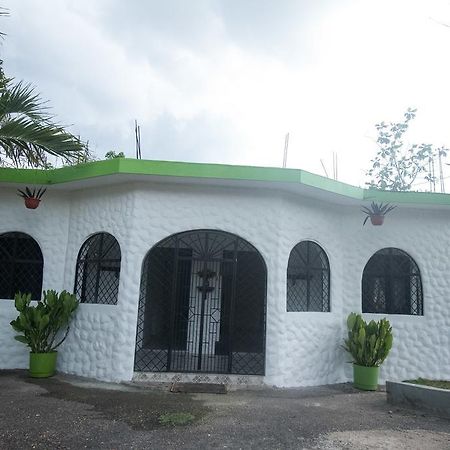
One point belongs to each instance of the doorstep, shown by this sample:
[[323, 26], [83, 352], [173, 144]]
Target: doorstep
[[231, 381]]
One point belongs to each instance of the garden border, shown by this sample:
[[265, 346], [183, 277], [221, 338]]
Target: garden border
[[434, 400]]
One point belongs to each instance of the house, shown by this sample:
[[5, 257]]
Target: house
[[223, 273]]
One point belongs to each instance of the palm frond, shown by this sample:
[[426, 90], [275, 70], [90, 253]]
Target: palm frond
[[22, 137], [21, 99], [3, 12]]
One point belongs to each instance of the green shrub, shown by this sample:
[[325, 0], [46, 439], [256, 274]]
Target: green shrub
[[368, 343], [42, 324]]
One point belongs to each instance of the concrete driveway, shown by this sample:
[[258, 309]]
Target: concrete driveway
[[72, 413]]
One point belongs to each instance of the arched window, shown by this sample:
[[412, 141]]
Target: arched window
[[21, 265], [98, 270], [391, 284], [308, 278]]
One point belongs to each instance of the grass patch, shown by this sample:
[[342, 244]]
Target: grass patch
[[178, 418], [442, 384]]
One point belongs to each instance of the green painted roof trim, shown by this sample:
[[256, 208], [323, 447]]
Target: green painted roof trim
[[212, 171]]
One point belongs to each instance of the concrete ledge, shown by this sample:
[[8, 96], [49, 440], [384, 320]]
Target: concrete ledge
[[428, 398], [232, 382]]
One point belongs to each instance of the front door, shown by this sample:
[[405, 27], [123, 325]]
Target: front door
[[202, 306]]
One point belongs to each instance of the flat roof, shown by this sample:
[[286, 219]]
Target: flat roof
[[275, 177]]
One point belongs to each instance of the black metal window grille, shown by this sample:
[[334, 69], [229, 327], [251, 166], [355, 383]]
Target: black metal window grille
[[391, 284], [98, 270], [308, 279], [202, 306], [21, 265]]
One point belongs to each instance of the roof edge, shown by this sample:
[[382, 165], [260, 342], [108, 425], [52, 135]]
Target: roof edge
[[213, 171]]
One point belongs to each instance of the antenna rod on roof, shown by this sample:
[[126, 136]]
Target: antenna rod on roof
[[336, 167], [137, 133], [441, 172], [286, 145]]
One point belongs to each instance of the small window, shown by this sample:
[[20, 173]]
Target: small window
[[391, 284], [308, 278], [98, 270], [21, 266]]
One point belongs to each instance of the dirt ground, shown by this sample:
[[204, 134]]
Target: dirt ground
[[71, 413]]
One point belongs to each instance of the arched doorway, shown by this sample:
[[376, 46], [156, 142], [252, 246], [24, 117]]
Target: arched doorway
[[202, 306]]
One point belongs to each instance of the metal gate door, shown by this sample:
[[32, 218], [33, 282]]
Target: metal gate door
[[202, 306]]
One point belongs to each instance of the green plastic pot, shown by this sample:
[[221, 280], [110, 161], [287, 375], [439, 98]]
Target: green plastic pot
[[42, 365], [365, 378]]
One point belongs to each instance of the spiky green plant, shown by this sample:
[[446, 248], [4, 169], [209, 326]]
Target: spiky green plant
[[368, 343], [41, 326], [28, 193], [377, 209]]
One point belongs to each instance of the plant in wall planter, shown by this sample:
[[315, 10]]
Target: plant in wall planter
[[43, 327], [369, 344], [376, 212], [32, 197]]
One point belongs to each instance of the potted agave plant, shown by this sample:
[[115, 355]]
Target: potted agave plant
[[369, 345], [32, 197], [43, 327], [376, 212]]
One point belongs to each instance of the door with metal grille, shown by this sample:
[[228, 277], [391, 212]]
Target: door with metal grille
[[202, 306]]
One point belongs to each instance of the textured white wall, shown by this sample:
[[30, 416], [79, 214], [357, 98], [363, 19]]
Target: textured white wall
[[421, 343], [301, 348], [49, 227]]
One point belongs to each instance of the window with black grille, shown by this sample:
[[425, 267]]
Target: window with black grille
[[98, 270], [308, 278], [21, 265], [391, 284]]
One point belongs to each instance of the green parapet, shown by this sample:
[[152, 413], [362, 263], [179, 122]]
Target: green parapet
[[429, 198], [268, 175]]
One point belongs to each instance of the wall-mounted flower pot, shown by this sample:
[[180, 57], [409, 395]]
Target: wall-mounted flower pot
[[365, 378], [376, 212], [377, 220], [32, 197], [32, 203], [42, 365]]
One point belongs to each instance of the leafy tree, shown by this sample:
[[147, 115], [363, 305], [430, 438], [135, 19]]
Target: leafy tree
[[113, 155], [396, 166]]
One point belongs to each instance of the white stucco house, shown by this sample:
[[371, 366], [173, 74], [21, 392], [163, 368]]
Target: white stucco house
[[224, 273]]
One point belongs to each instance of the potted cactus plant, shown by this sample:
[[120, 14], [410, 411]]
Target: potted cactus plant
[[376, 212], [32, 197], [369, 345], [43, 327]]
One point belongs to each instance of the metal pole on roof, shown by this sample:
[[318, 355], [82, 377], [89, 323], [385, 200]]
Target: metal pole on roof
[[137, 134], [441, 172], [286, 145], [334, 165]]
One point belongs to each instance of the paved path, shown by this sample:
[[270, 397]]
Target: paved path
[[70, 413]]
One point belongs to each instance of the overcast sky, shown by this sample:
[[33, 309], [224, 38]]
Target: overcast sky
[[224, 81]]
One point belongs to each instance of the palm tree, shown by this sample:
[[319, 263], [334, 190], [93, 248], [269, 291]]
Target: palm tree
[[27, 133]]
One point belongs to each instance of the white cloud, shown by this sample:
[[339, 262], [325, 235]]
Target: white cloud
[[223, 81]]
